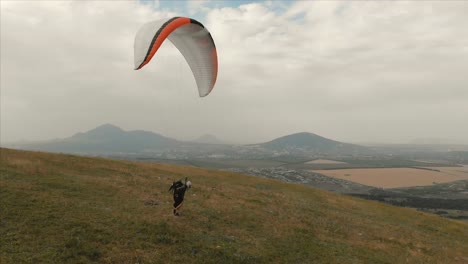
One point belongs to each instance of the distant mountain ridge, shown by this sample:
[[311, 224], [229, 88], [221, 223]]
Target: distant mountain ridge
[[110, 139], [312, 143], [107, 139], [301, 140]]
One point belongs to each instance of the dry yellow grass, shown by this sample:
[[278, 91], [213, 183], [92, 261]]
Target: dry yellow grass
[[399, 177]]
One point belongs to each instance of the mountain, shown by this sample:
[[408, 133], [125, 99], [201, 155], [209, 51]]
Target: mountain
[[111, 140], [107, 139], [312, 144], [70, 209], [208, 139]]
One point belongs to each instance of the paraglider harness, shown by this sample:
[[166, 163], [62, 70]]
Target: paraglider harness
[[178, 189]]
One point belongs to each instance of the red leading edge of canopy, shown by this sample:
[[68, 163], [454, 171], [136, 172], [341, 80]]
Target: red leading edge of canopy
[[168, 29]]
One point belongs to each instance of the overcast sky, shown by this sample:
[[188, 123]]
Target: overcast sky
[[354, 71]]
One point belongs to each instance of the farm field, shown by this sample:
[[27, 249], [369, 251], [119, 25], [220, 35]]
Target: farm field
[[323, 161], [399, 177]]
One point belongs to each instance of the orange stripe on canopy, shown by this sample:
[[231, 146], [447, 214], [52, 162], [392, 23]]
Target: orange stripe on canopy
[[168, 29]]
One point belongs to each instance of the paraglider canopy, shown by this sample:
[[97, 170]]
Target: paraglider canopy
[[190, 37]]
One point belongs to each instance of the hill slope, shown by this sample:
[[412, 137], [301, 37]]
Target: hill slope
[[68, 209]]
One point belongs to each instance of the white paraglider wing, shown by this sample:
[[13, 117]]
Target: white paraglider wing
[[193, 41]]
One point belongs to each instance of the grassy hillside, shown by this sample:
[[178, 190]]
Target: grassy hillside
[[68, 209]]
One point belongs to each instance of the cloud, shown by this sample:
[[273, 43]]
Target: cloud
[[353, 71]]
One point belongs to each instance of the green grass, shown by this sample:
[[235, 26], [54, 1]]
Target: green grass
[[68, 209]]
